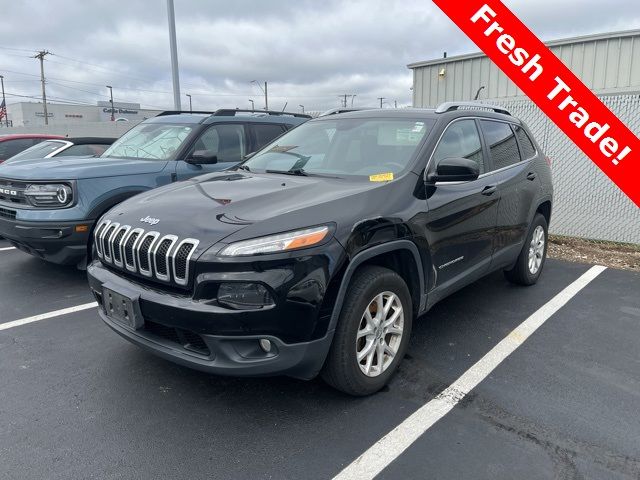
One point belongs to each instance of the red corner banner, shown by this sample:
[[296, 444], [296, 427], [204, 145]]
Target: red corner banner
[[553, 88]]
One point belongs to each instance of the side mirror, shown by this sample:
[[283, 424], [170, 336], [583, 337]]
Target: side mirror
[[455, 170], [202, 157]]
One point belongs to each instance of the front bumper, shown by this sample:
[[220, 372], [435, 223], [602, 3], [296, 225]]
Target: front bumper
[[199, 333], [56, 242]]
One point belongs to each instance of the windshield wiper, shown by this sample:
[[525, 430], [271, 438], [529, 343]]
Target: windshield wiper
[[301, 172], [244, 167], [294, 171]]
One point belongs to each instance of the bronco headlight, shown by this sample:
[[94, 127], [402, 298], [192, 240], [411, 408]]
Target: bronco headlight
[[277, 243], [50, 195]]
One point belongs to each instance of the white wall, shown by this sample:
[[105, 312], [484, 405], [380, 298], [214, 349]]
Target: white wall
[[87, 129]]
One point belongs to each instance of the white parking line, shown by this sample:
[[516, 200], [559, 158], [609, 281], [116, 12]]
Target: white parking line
[[44, 316], [7, 248], [391, 446]]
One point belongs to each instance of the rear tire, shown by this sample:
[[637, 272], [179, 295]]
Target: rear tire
[[372, 334], [531, 260]]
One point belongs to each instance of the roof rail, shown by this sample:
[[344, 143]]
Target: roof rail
[[449, 106], [178, 112], [230, 112]]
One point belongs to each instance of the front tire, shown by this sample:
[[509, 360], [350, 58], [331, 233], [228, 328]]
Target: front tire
[[529, 265], [373, 332]]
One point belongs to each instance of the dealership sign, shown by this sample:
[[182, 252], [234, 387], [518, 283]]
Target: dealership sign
[[552, 87]]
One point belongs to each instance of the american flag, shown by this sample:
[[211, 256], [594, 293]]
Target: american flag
[[3, 110]]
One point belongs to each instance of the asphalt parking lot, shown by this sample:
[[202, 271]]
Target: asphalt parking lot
[[77, 401]]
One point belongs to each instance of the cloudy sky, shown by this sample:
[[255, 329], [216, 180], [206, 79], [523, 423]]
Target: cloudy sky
[[310, 51]]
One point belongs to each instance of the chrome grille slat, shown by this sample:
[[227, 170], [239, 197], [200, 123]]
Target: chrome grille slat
[[183, 250], [150, 254], [160, 259], [106, 241], [116, 248], [97, 236], [144, 253], [129, 246]]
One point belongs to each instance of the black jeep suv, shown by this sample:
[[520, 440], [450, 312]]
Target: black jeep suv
[[316, 253]]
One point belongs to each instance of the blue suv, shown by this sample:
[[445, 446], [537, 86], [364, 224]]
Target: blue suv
[[48, 208]]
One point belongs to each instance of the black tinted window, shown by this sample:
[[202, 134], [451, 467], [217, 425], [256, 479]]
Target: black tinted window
[[501, 142], [526, 145], [461, 140], [226, 141], [11, 147], [86, 149], [266, 133]]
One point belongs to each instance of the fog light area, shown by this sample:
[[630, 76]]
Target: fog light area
[[244, 296]]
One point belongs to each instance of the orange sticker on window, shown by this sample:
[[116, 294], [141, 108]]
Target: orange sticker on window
[[381, 177]]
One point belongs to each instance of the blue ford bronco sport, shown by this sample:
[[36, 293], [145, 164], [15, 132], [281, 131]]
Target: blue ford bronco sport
[[48, 208]]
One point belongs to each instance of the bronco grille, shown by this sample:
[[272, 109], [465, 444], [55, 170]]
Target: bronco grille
[[149, 254], [13, 192]]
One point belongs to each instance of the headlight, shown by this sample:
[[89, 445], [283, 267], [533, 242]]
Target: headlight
[[277, 243], [53, 195]]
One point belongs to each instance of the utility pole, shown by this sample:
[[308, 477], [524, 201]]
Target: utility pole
[[190, 107], [174, 55], [266, 97], [265, 91], [40, 56], [4, 102], [395, 103], [113, 118], [381, 99]]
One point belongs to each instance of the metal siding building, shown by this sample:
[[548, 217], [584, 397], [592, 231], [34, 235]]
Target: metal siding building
[[604, 62], [586, 203]]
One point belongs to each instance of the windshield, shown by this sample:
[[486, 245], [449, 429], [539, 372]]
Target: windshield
[[41, 150], [344, 147], [149, 141]]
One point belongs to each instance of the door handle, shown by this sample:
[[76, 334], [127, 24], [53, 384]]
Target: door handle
[[531, 176], [489, 190]]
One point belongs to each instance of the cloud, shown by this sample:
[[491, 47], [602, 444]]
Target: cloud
[[310, 51]]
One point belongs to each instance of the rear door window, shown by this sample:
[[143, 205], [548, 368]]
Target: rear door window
[[227, 141], [461, 140], [526, 145], [265, 133], [502, 144]]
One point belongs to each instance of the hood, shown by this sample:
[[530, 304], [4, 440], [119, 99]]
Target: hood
[[212, 207], [76, 168]]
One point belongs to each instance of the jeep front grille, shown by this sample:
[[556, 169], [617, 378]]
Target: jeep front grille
[[149, 254]]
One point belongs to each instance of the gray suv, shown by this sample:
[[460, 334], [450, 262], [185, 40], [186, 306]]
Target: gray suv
[[48, 207]]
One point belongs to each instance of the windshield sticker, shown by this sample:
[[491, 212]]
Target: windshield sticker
[[418, 127], [406, 136], [282, 148], [381, 177]]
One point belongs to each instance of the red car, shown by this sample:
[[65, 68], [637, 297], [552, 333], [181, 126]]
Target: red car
[[15, 143]]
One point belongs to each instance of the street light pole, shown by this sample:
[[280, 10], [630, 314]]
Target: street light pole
[[264, 90], [252, 105], [4, 101], [111, 95], [381, 99], [190, 108], [174, 55], [302, 107]]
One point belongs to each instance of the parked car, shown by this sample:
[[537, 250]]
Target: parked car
[[317, 253], [64, 147], [48, 208], [13, 144]]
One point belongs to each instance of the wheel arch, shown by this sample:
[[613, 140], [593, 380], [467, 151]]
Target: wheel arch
[[401, 256]]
